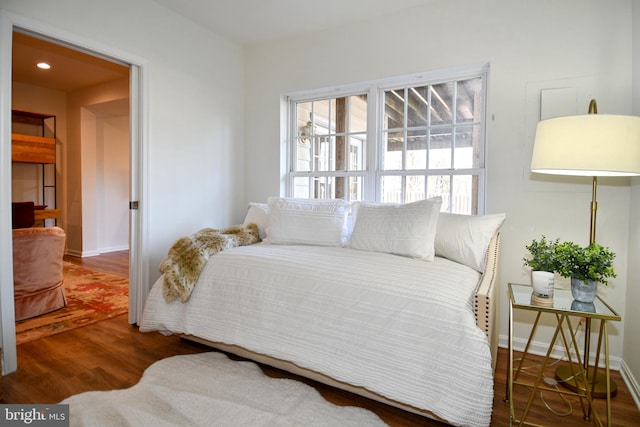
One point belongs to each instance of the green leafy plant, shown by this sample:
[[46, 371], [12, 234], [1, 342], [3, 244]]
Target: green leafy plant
[[593, 262], [543, 255]]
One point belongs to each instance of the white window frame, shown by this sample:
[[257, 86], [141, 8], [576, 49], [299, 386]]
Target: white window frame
[[375, 112]]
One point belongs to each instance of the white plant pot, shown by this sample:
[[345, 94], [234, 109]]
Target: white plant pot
[[543, 282]]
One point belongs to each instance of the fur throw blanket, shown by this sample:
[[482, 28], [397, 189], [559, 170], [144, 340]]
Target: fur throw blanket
[[188, 256]]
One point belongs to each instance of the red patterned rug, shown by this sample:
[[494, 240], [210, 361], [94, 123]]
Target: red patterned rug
[[92, 296]]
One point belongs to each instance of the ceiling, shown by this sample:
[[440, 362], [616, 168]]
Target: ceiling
[[246, 22], [249, 22], [70, 69]]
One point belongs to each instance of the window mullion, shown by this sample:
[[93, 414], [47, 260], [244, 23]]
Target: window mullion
[[405, 133], [375, 137], [347, 137], [454, 128]]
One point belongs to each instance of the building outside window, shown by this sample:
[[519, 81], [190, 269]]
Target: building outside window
[[398, 140]]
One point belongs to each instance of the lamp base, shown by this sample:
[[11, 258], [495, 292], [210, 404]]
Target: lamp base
[[564, 375]]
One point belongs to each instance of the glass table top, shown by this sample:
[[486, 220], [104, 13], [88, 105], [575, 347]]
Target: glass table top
[[522, 297]]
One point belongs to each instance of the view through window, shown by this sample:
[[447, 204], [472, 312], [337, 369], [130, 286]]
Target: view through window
[[399, 141]]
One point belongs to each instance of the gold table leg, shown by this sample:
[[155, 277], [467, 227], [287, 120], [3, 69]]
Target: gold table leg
[[578, 369]]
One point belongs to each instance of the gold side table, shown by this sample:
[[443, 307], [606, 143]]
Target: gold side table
[[563, 308]]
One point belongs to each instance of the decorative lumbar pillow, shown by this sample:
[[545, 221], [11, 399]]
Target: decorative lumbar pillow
[[258, 213], [401, 229], [465, 238], [307, 221]]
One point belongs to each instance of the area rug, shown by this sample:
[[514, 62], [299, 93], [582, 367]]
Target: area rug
[[209, 389], [92, 296]]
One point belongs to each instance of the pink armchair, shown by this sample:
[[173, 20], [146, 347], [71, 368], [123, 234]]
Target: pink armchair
[[37, 271]]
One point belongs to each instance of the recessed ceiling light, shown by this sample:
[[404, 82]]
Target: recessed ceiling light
[[43, 65]]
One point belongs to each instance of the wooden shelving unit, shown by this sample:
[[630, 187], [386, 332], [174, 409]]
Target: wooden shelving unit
[[33, 140], [32, 149]]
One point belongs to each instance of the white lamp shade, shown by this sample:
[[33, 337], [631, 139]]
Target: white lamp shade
[[588, 145]]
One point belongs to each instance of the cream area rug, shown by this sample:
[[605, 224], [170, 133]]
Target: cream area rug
[[209, 389]]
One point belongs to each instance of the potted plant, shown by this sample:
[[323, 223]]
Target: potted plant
[[586, 266], [544, 263]]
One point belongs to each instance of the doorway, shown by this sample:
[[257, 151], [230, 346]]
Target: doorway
[[10, 25], [89, 98]]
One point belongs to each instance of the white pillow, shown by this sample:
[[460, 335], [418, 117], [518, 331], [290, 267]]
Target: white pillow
[[465, 238], [406, 229], [258, 213], [307, 221]]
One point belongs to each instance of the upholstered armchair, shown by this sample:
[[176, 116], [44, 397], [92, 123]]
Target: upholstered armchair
[[37, 270]]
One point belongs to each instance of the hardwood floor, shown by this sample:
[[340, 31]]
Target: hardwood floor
[[113, 354], [114, 262]]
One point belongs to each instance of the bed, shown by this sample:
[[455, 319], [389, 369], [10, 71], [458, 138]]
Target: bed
[[404, 314]]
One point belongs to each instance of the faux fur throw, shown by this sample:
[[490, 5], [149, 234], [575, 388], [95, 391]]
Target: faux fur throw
[[189, 254]]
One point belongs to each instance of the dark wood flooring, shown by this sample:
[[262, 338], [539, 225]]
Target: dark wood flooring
[[113, 354]]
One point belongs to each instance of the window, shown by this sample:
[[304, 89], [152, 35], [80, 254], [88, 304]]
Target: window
[[330, 147], [399, 140]]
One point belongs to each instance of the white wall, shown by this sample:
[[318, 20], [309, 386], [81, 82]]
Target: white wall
[[196, 109], [531, 46], [113, 184], [97, 157]]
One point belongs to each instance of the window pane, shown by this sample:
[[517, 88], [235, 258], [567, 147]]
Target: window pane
[[324, 152], [301, 187], [357, 154], [303, 157], [394, 109], [439, 185], [442, 103], [414, 188], [304, 122], [457, 192], [323, 187], [463, 201], [440, 146], [356, 189], [391, 191], [322, 112], [303, 113], [418, 108], [331, 126], [467, 153], [469, 100], [416, 149], [393, 152], [358, 113]]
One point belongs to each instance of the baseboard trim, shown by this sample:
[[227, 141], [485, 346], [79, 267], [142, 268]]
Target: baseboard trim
[[113, 249], [631, 382], [72, 252], [540, 349], [87, 254]]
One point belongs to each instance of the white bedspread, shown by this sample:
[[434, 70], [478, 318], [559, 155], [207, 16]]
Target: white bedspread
[[402, 328]]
